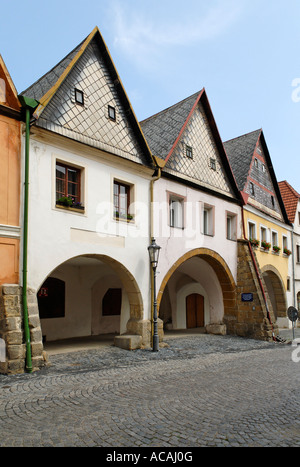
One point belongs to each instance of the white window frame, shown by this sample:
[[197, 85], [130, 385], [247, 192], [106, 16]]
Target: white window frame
[[176, 211], [231, 226], [208, 220], [274, 232], [252, 224], [263, 228], [285, 243]]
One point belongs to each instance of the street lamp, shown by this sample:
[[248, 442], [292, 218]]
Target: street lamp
[[154, 254]]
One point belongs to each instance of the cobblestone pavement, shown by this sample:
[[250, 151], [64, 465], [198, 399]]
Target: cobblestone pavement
[[201, 390]]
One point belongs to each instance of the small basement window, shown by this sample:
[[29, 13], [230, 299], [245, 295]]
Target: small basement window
[[112, 113], [79, 97]]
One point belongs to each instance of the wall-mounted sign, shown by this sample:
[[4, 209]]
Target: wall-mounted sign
[[247, 297]]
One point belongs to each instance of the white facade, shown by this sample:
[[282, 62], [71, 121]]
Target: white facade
[[194, 275], [296, 257], [87, 249]]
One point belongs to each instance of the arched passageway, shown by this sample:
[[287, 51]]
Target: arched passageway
[[88, 295], [198, 290], [275, 290]]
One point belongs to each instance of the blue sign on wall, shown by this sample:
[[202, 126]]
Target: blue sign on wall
[[247, 297]]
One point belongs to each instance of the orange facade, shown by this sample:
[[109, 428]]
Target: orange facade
[[10, 154]]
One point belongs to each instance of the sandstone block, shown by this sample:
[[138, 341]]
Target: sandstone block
[[219, 329], [128, 342]]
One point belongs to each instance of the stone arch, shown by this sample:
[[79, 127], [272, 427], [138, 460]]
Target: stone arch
[[276, 290], [87, 273], [127, 279], [222, 271]]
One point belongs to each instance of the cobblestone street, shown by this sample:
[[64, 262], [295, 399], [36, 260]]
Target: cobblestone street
[[201, 390]]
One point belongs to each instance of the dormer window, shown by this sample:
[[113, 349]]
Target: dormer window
[[112, 113], [79, 97], [212, 164], [189, 152], [273, 201]]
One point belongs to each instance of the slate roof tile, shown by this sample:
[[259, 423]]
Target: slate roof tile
[[240, 152]]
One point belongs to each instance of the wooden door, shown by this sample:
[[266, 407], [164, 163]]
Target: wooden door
[[194, 311]]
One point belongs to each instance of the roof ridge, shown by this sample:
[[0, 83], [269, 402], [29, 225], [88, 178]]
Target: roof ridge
[[54, 67], [245, 134], [171, 106], [290, 188]]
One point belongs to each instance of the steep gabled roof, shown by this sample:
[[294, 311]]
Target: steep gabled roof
[[241, 153], [164, 132], [162, 129], [290, 198], [8, 96], [52, 83], [49, 80]]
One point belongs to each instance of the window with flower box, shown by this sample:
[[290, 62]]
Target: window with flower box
[[122, 200], [68, 186]]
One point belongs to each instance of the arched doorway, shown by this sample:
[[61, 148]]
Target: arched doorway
[[200, 272], [89, 295], [275, 290]]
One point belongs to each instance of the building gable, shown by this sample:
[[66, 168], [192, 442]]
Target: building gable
[[196, 156], [88, 104], [252, 166], [186, 139], [8, 93]]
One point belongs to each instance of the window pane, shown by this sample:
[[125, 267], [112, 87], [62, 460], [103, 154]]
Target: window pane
[[60, 171], [228, 227], [72, 189], [205, 222], [72, 175]]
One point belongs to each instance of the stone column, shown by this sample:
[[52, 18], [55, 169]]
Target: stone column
[[12, 330]]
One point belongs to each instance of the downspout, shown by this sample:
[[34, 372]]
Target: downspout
[[293, 269], [257, 273], [29, 105]]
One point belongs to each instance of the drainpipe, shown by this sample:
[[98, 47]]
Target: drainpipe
[[257, 274], [293, 269], [28, 105]]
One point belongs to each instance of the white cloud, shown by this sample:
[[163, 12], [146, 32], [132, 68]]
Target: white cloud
[[145, 36]]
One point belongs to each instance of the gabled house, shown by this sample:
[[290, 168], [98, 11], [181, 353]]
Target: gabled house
[[10, 153], [10, 212], [265, 221], [291, 199], [196, 209], [90, 169]]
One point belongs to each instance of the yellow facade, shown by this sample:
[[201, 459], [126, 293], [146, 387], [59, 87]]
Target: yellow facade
[[266, 258]]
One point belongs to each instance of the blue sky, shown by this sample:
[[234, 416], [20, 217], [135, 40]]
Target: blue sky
[[246, 53]]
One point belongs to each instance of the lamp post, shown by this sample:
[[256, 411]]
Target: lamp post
[[154, 254]]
